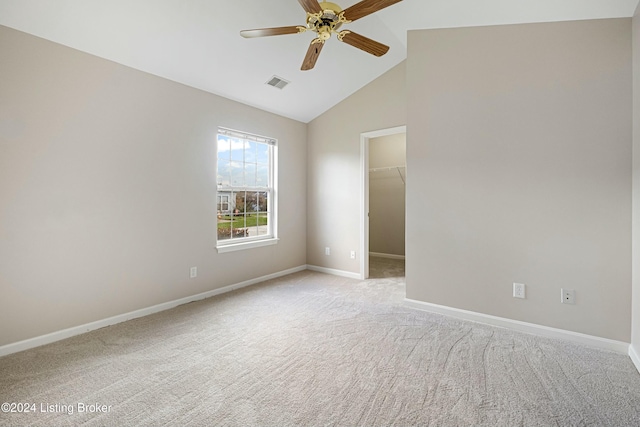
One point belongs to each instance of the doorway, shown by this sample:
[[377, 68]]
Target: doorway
[[378, 149]]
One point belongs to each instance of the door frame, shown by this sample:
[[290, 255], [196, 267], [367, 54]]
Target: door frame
[[364, 192]]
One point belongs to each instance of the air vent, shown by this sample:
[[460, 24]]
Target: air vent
[[277, 82]]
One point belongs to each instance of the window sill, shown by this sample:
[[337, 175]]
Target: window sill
[[246, 245]]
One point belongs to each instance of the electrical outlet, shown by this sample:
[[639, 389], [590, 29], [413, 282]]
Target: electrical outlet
[[568, 296], [519, 290], [353, 254], [327, 250], [193, 272]]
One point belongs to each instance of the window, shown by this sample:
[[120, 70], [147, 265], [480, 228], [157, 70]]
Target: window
[[246, 190], [223, 204]]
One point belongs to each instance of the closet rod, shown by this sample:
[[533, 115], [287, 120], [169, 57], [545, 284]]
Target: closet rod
[[386, 168]]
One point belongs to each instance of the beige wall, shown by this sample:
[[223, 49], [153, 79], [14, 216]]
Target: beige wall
[[519, 170], [107, 189], [635, 324], [387, 194], [334, 173]]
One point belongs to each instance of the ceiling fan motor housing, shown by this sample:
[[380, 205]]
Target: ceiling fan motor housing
[[326, 22], [328, 6]]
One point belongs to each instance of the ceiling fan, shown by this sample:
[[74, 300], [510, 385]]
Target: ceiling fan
[[326, 18]]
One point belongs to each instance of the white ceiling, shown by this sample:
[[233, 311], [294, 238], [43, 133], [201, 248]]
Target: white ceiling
[[197, 42]]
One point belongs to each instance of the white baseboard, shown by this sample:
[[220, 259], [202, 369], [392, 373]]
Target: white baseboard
[[334, 272], [390, 256], [77, 330], [635, 356], [516, 325]]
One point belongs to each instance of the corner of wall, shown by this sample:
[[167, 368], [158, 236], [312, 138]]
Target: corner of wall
[[634, 354], [634, 349], [333, 168]]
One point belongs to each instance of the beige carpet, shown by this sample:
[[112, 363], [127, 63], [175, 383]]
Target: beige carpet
[[316, 350]]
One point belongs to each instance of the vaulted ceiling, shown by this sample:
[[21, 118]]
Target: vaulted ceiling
[[197, 42]]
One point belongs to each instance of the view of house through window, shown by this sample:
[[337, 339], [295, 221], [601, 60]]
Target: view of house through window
[[245, 208]]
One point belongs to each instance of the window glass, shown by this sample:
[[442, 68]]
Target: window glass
[[245, 208]]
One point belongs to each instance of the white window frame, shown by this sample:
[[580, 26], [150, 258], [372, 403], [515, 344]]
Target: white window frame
[[240, 243], [223, 199]]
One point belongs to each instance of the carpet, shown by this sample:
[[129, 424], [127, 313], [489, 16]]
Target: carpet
[[311, 349]]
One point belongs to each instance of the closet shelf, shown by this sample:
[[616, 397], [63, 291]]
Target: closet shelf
[[386, 168], [390, 168]]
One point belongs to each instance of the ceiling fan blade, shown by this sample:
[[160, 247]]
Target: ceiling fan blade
[[364, 43], [311, 6], [312, 55], [264, 32], [367, 7]]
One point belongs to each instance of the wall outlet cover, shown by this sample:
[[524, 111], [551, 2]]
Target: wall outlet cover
[[568, 296]]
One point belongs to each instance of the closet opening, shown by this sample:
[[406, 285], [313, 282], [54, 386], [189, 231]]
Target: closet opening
[[383, 161]]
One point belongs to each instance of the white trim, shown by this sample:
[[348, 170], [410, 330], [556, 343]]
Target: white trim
[[633, 354], [364, 206], [364, 192], [275, 195], [246, 135], [246, 245], [389, 256], [384, 132], [77, 330], [334, 272], [516, 325], [270, 238]]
